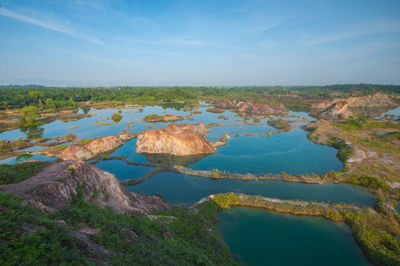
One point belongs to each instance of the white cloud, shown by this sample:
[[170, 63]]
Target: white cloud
[[49, 25]]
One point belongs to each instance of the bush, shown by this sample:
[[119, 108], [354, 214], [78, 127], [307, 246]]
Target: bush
[[344, 150], [116, 117]]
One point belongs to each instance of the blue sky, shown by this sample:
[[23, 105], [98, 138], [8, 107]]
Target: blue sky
[[224, 43]]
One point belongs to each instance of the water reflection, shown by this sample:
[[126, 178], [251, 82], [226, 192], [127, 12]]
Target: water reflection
[[33, 132], [167, 159]]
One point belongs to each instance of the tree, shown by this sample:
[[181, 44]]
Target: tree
[[29, 115], [37, 95], [50, 103]]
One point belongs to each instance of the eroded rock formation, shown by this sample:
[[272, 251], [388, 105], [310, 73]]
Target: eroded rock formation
[[89, 150], [369, 105], [248, 107], [56, 185], [179, 140]]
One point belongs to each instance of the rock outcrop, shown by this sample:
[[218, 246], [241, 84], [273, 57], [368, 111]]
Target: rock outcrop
[[178, 140], [56, 185], [88, 150], [370, 105], [248, 107]]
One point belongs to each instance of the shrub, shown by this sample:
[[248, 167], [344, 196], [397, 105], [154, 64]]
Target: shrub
[[344, 150], [116, 117]]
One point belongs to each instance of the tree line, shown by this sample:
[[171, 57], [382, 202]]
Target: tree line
[[55, 97]]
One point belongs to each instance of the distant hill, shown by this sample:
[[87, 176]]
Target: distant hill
[[33, 86]]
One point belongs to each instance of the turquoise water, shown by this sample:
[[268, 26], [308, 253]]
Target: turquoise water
[[290, 152], [185, 189], [260, 237], [122, 170], [88, 128]]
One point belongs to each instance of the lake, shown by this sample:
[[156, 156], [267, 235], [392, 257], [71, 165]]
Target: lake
[[258, 237]]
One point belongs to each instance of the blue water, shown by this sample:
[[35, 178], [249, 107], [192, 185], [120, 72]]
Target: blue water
[[259, 237], [395, 111], [290, 152], [184, 189]]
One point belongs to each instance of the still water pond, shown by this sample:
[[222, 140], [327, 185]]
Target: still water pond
[[260, 237]]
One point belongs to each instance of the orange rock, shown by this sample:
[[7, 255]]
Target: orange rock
[[89, 150], [178, 140]]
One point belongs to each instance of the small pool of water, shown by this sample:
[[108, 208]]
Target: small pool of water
[[259, 237], [395, 112]]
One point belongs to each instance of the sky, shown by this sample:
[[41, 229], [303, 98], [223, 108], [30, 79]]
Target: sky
[[199, 43]]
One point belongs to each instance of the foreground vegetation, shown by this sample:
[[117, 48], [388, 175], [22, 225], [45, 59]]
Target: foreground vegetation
[[377, 230], [179, 236]]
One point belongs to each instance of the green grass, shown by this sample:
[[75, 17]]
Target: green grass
[[356, 123], [160, 118], [380, 143], [153, 116], [19, 172], [85, 141], [59, 147]]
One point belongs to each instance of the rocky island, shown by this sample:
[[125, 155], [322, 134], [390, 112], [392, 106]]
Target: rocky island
[[165, 118], [178, 140], [87, 149]]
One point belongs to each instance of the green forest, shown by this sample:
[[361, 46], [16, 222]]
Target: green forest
[[55, 97]]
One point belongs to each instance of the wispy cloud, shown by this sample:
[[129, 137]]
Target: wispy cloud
[[49, 25], [353, 32], [188, 42], [264, 27]]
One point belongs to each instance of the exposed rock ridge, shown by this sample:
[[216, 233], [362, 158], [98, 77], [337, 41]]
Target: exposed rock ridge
[[83, 152], [249, 107], [368, 105], [56, 185]]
